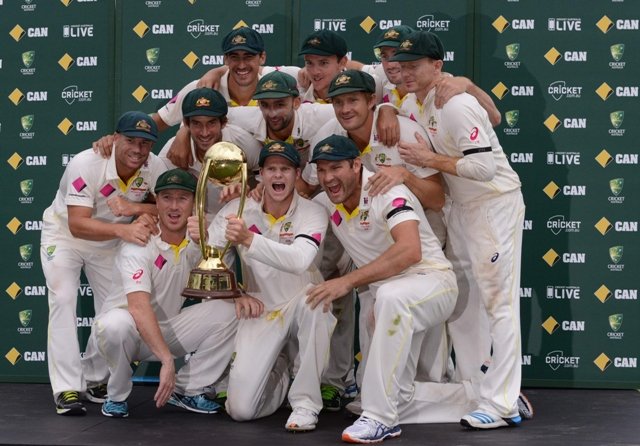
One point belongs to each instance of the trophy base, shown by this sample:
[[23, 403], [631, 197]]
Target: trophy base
[[211, 284]]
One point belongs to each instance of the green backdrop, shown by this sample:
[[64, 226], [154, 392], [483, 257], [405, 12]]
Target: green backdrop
[[565, 78]]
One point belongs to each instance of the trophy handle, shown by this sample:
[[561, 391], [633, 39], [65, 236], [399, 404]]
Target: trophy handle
[[201, 196], [243, 196]]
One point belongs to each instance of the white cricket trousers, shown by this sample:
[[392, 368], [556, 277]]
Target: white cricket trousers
[[62, 274], [404, 309], [485, 247], [259, 376], [206, 329]]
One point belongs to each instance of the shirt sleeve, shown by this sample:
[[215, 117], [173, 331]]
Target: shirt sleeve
[[171, 112], [134, 268], [397, 206], [80, 187], [298, 256]]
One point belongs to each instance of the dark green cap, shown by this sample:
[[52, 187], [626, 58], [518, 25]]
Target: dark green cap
[[279, 148], [393, 36], [276, 85], [204, 102], [351, 80], [324, 43], [137, 124], [418, 45], [176, 179], [335, 148], [243, 39]]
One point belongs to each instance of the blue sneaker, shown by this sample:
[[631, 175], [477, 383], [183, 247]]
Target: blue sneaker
[[115, 409], [198, 403], [483, 420], [366, 430]]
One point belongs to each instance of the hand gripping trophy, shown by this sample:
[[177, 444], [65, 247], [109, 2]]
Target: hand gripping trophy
[[224, 164]]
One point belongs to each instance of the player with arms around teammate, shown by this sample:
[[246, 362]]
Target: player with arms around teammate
[[278, 241], [410, 280], [484, 229], [205, 115], [92, 211], [144, 320]]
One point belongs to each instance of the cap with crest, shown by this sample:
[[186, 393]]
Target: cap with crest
[[279, 148], [418, 45], [276, 85], [243, 39], [204, 102], [176, 179], [137, 124], [335, 148], [350, 81], [324, 43]]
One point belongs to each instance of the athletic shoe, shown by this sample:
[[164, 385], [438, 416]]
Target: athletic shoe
[[198, 403], [483, 420], [366, 430], [351, 391], [96, 394], [525, 409], [221, 398], [115, 409], [301, 420], [330, 398], [355, 406], [68, 403]]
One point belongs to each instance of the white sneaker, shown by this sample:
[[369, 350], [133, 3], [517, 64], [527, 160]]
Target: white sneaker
[[483, 420], [355, 406], [301, 420], [366, 430]]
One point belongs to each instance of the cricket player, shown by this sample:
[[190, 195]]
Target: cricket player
[[283, 117], [484, 229], [92, 211], [353, 97], [280, 115], [145, 321], [278, 241], [205, 115], [410, 281], [393, 90]]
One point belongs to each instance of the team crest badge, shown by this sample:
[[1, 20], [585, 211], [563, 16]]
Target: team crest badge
[[616, 186], [616, 118], [512, 117], [25, 252], [239, 40], [342, 80], [512, 51], [315, 41], [153, 54], [270, 85], [617, 51], [276, 148], [406, 45], [26, 186], [25, 317], [203, 102], [392, 34], [143, 125], [27, 122], [615, 253], [615, 321], [28, 57]]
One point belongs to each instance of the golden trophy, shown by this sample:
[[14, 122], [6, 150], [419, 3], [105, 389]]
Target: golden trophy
[[224, 164]]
